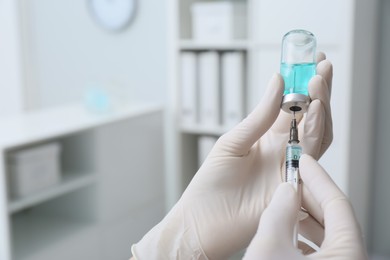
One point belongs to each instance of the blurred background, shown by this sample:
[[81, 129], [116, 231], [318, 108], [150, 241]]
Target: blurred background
[[108, 107]]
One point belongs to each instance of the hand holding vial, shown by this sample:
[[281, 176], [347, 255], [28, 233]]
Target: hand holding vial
[[343, 238]]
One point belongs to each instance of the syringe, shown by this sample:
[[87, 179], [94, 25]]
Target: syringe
[[293, 153]]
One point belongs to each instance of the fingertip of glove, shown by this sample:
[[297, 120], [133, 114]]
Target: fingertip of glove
[[320, 56], [315, 113], [325, 68], [308, 164], [276, 83], [134, 257], [315, 80], [317, 87], [325, 64], [306, 158], [285, 196], [274, 90], [315, 105], [286, 189]]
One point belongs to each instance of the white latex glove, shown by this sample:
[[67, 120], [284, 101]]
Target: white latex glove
[[343, 239], [218, 213]]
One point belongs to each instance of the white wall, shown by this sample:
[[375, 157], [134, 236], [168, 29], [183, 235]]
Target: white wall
[[11, 101], [65, 51], [380, 214], [58, 52], [362, 107]]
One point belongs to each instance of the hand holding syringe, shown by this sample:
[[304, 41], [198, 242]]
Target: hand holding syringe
[[293, 154]]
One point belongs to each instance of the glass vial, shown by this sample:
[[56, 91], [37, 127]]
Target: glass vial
[[298, 66]]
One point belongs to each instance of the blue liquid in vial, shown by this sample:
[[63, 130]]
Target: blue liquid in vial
[[297, 76]]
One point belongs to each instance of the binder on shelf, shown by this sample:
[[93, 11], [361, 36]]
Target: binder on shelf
[[233, 88], [209, 89], [205, 144], [188, 85]]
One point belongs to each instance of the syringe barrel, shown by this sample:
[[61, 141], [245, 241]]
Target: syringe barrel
[[293, 153]]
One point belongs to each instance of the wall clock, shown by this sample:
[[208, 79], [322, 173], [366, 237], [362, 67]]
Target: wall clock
[[113, 15]]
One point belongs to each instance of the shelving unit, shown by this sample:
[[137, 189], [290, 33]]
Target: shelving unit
[[38, 236], [236, 45], [200, 130], [266, 23], [69, 183], [28, 128], [69, 220]]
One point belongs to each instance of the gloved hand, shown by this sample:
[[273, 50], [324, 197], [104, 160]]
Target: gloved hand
[[343, 239], [218, 213]]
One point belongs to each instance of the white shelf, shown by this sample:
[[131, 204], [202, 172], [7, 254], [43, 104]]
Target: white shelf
[[241, 45], [70, 182], [38, 236], [51, 123], [202, 130]]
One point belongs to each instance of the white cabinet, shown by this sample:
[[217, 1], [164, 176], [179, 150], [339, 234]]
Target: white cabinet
[[109, 193], [338, 26]]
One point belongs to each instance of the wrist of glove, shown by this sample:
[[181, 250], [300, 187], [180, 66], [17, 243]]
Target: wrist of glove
[[172, 238]]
